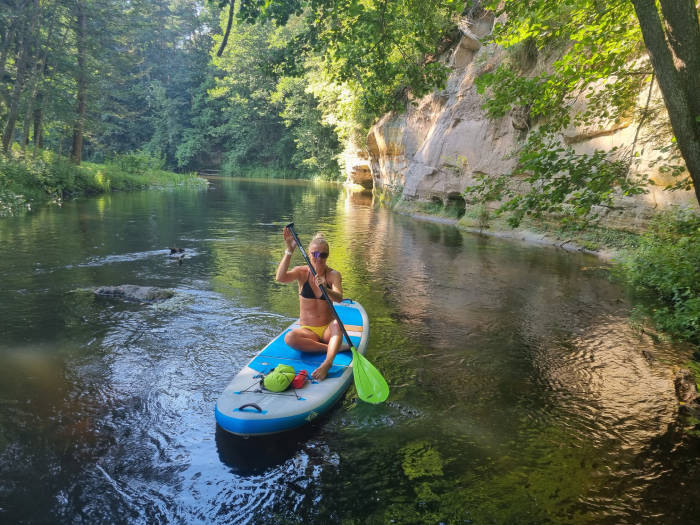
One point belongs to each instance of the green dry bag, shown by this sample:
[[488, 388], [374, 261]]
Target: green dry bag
[[280, 378]]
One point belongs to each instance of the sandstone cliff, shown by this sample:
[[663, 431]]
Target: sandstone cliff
[[434, 149]]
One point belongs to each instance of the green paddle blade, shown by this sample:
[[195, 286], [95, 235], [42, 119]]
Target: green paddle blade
[[370, 385]]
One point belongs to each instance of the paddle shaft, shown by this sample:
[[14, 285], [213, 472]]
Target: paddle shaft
[[323, 290]]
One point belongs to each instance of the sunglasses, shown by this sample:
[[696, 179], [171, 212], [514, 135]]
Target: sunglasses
[[317, 255]]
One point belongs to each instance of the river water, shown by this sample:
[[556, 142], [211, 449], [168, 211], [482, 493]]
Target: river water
[[519, 391]]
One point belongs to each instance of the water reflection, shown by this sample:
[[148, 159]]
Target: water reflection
[[248, 457], [519, 390]]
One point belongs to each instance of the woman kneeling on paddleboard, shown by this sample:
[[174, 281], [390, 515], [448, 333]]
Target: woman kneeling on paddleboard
[[319, 331]]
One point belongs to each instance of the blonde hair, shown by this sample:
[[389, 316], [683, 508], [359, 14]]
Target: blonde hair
[[320, 238]]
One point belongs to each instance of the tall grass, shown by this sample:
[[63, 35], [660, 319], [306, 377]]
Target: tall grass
[[27, 181]]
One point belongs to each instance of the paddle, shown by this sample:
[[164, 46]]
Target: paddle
[[371, 386]]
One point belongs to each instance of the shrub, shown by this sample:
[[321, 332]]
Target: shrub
[[665, 270], [136, 163]]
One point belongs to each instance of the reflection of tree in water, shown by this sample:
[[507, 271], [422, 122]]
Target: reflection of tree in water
[[674, 455]]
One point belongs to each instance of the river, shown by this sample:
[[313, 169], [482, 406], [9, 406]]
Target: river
[[520, 392]]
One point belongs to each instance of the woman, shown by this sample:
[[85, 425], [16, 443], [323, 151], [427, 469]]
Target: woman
[[319, 331]]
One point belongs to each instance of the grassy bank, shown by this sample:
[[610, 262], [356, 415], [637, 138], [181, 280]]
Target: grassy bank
[[27, 181]]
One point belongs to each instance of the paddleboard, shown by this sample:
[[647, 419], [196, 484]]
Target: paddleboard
[[245, 408]]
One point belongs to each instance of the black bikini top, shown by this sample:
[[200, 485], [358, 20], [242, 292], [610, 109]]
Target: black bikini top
[[307, 292]]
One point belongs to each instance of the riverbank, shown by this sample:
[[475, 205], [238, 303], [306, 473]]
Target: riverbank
[[604, 243], [27, 181]]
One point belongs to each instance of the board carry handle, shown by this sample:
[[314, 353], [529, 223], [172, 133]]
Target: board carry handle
[[251, 405]]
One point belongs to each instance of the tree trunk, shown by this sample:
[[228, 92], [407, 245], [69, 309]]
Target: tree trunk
[[26, 33], [9, 131], [13, 102], [683, 33], [675, 84], [27, 123], [36, 99], [77, 147], [38, 115], [13, 110], [5, 50], [228, 29]]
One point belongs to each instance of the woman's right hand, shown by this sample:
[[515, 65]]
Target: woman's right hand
[[289, 240]]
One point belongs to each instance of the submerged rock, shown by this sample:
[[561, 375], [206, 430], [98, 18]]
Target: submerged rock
[[130, 292], [684, 381]]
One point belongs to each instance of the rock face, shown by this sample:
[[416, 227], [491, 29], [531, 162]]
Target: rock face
[[130, 292], [357, 168], [436, 147]]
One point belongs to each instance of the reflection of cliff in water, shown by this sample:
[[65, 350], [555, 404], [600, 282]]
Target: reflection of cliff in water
[[530, 330], [359, 197]]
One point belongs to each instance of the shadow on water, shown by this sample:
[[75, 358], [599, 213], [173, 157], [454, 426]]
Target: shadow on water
[[256, 455]]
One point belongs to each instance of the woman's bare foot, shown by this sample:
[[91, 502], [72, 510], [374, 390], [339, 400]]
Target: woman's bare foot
[[321, 372]]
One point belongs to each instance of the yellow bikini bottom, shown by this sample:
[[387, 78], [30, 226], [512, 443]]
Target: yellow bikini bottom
[[318, 330]]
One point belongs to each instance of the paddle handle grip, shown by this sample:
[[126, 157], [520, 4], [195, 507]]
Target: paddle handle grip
[[323, 290]]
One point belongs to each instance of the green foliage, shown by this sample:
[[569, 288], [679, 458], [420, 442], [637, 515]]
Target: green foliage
[[273, 120], [596, 43], [554, 179], [590, 72], [317, 144], [481, 215], [254, 132], [437, 207], [594, 237], [278, 10], [665, 271], [136, 163], [27, 181], [361, 58], [385, 49], [296, 77], [145, 63]]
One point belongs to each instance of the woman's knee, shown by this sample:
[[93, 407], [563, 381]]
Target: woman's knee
[[335, 328], [290, 338]]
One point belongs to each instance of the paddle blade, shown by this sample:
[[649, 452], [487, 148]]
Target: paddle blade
[[371, 386]]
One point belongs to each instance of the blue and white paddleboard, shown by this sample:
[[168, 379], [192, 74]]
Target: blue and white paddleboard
[[246, 409]]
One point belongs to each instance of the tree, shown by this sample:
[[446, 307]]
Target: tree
[[25, 22], [317, 144], [679, 79], [76, 153], [248, 75], [384, 49]]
